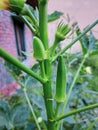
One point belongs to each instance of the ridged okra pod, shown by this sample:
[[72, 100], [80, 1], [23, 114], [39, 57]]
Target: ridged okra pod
[[39, 50], [60, 94]]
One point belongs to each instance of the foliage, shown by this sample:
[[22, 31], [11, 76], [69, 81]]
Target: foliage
[[84, 93], [81, 96], [36, 107], [13, 115]]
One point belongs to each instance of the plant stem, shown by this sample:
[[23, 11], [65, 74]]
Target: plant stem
[[92, 124], [42, 69], [30, 106], [43, 23], [48, 96], [76, 111], [43, 28], [31, 15], [54, 47], [57, 109], [44, 125], [75, 40], [24, 19], [21, 66], [74, 80]]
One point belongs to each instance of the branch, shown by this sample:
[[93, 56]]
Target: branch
[[76, 111], [31, 108], [74, 80], [75, 40], [23, 18], [21, 66]]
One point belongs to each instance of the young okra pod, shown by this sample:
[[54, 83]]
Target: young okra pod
[[61, 32], [39, 50], [61, 81]]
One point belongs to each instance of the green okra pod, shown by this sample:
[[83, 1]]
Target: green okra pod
[[39, 50], [61, 81]]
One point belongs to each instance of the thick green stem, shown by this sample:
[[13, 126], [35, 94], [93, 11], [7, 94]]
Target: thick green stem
[[57, 109], [43, 28], [76, 111], [43, 23], [75, 40], [32, 111], [48, 96], [21, 66], [42, 68]]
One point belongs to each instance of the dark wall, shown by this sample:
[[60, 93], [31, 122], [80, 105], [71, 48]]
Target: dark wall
[[33, 3]]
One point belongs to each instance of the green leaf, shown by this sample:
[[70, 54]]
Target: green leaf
[[4, 122], [85, 40], [88, 42], [31, 17], [20, 114], [30, 126], [12, 69], [30, 54], [94, 53], [5, 115], [78, 32], [36, 14], [54, 16], [92, 41]]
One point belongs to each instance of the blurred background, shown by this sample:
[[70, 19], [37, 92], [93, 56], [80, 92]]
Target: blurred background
[[85, 12]]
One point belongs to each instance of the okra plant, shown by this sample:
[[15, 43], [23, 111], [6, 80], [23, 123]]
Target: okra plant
[[37, 21]]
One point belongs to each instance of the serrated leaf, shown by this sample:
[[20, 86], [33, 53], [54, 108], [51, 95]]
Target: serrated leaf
[[4, 106], [5, 115], [3, 121], [12, 69], [20, 114]]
